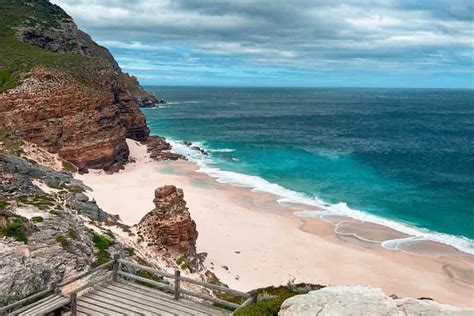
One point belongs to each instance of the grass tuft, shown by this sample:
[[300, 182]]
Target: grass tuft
[[15, 230]]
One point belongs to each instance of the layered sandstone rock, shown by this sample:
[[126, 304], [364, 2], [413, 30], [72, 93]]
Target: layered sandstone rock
[[76, 101], [54, 111], [159, 149], [169, 226]]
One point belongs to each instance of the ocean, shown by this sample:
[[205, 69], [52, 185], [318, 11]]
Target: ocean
[[403, 158]]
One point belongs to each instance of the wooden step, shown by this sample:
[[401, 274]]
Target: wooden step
[[44, 306]]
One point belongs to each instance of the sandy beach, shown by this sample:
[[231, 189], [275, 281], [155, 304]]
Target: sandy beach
[[252, 241]]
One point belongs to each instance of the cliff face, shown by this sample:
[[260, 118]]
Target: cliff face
[[63, 91]]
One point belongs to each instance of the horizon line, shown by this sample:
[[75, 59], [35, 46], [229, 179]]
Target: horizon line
[[307, 87]]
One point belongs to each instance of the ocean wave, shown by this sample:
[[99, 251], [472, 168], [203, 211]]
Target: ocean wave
[[258, 184], [341, 209], [222, 150]]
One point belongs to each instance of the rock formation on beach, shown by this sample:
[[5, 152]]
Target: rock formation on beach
[[159, 149], [63, 91], [169, 226]]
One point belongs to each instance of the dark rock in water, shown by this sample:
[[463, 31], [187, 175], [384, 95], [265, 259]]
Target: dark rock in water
[[202, 151], [229, 158], [162, 101], [159, 149], [187, 143]]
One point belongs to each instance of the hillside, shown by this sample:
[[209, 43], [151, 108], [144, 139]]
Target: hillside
[[63, 91]]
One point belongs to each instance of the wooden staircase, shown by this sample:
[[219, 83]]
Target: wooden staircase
[[119, 292]]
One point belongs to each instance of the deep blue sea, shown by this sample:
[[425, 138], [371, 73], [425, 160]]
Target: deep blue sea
[[402, 157]]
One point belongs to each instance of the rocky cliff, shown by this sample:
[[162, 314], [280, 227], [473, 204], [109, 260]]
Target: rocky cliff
[[169, 226], [63, 91]]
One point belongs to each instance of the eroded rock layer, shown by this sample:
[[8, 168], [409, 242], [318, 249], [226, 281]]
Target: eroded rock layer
[[68, 95], [169, 226]]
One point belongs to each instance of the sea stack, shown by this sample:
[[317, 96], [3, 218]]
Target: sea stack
[[169, 225]]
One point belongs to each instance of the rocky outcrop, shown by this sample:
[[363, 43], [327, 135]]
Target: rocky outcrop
[[140, 96], [359, 300], [58, 246], [75, 101], [18, 174], [159, 149], [169, 226]]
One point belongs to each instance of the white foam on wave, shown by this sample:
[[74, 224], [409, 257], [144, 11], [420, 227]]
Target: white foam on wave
[[258, 184], [222, 150], [341, 209]]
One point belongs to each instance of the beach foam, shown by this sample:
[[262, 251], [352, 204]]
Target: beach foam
[[258, 184]]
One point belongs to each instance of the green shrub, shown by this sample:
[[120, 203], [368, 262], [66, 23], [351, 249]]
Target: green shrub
[[130, 251], [75, 189], [102, 256], [65, 243], [183, 263], [69, 167], [3, 204], [37, 219], [72, 233], [43, 202], [102, 242], [270, 299], [62, 240], [15, 230]]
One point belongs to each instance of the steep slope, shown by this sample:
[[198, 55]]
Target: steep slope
[[61, 90]]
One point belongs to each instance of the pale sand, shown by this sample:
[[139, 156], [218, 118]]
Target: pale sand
[[262, 243]]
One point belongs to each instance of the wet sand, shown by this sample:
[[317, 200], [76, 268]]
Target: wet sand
[[253, 241]]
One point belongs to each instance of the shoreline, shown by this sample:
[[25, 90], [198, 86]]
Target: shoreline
[[238, 226]]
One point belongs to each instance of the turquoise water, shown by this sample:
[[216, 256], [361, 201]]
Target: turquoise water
[[402, 157]]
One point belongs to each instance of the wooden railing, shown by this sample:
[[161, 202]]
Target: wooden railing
[[117, 264], [177, 289]]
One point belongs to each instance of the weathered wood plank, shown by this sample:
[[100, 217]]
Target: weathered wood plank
[[97, 306], [88, 311], [130, 298], [47, 306], [25, 300], [215, 287], [145, 280], [158, 296], [84, 274], [197, 307], [145, 268], [129, 302]]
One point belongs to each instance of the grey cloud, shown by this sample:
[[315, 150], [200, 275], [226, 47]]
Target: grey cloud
[[306, 34]]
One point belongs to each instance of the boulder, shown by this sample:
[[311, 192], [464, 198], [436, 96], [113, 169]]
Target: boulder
[[363, 301]]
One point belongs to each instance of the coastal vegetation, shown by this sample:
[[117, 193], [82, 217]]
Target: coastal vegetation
[[17, 57], [101, 243], [3, 204], [69, 167], [37, 219], [15, 229], [269, 299]]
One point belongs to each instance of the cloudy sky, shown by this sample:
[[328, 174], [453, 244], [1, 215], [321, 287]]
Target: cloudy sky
[[374, 43]]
